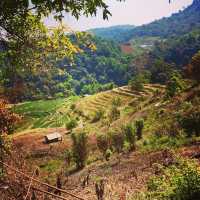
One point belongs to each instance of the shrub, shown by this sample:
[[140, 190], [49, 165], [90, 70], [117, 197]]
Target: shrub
[[72, 123], [175, 85], [191, 122], [73, 106], [129, 133], [126, 147], [168, 128], [108, 154], [139, 124], [98, 115], [114, 114], [138, 81], [68, 157], [180, 182], [117, 140], [117, 101], [193, 69], [103, 143], [79, 148]]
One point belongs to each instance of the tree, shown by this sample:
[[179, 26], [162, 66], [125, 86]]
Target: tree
[[103, 143], [138, 81], [175, 85], [193, 68], [79, 148], [72, 123], [14, 14], [117, 140], [114, 114], [129, 132], [190, 122], [139, 124], [8, 121], [36, 51]]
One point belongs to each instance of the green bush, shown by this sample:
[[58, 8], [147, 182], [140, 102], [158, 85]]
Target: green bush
[[108, 154], [117, 140], [73, 106], [138, 81], [72, 123], [114, 114], [103, 143], [178, 182], [117, 101], [175, 85], [126, 147], [191, 122], [160, 142], [98, 115], [129, 133], [79, 148], [139, 124]]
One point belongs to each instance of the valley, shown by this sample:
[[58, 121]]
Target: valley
[[124, 174], [105, 114]]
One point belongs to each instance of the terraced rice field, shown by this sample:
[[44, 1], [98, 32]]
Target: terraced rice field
[[44, 113], [55, 113], [103, 100]]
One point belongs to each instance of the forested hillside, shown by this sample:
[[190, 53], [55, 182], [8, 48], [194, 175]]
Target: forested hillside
[[107, 64], [90, 71], [169, 55], [167, 42], [178, 24], [120, 33], [80, 119]]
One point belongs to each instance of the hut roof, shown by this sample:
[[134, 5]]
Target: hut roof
[[53, 136]]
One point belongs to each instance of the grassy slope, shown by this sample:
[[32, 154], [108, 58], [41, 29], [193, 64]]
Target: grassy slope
[[55, 113], [44, 113], [120, 176]]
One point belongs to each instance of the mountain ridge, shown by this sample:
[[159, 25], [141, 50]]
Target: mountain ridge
[[177, 24]]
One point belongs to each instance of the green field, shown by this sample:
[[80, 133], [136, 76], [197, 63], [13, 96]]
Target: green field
[[44, 113], [56, 113]]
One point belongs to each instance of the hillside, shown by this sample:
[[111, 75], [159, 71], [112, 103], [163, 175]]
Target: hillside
[[128, 171], [109, 115], [119, 33], [90, 71], [56, 113], [176, 25], [178, 50]]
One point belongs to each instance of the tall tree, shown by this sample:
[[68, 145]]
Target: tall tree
[[193, 68]]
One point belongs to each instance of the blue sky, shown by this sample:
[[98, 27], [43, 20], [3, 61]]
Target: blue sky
[[135, 12]]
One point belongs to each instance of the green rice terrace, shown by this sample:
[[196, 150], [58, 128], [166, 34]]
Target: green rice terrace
[[56, 113]]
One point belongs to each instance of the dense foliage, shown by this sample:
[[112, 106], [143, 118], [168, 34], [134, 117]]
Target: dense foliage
[[178, 182], [116, 33], [178, 24], [193, 68], [178, 50], [171, 55], [105, 65], [92, 71], [79, 148]]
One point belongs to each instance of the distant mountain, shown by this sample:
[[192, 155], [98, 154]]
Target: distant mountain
[[178, 24], [119, 33]]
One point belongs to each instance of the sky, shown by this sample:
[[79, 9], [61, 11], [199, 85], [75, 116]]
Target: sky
[[133, 12]]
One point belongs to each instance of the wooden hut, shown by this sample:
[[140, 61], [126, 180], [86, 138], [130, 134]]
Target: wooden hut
[[53, 137]]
